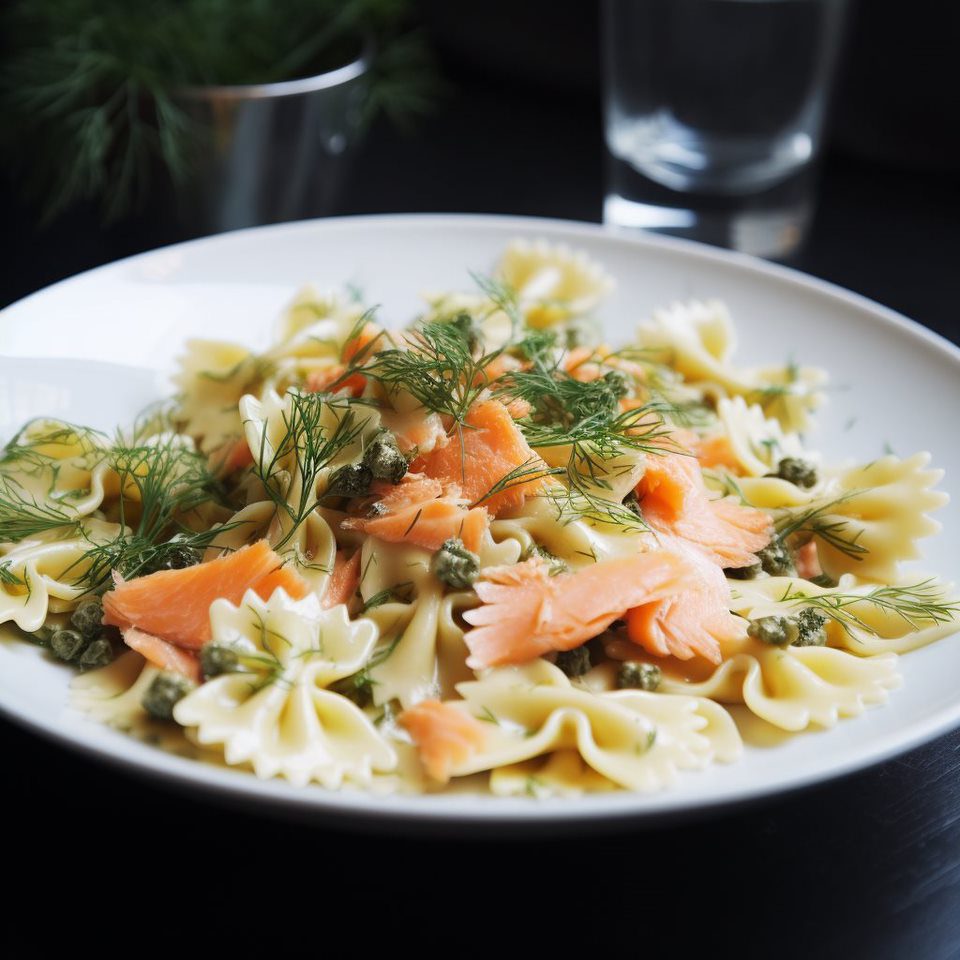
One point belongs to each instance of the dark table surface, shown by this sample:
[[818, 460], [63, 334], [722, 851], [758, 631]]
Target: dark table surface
[[867, 866]]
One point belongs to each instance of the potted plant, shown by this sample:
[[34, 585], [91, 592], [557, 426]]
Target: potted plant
[[244, 109]]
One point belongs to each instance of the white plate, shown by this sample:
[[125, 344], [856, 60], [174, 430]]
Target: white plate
[[893, 382]]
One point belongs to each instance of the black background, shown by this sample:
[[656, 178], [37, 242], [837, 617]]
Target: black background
[[868, 866]]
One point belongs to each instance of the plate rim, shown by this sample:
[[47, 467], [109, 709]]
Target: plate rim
[[449, 810]]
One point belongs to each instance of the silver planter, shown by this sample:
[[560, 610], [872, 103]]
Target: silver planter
[[272, 152]]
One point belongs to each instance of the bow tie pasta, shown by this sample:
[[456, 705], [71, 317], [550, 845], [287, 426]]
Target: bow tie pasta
[[480, 550]]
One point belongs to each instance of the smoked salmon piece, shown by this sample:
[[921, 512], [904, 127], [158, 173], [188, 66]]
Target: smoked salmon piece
[[674, 500], [174, 605], [444, 735], [162, 654], [693, 623], [319, 381], [481, 453], [717, 452], [808, 561], [344, 579], [527, 613], [424, 512]]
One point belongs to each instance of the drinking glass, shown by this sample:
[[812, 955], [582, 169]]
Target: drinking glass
[[713, 116]]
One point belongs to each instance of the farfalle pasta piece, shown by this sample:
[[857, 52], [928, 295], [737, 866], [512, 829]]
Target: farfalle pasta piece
[[756, 442], [212, 378], [421, 653], [114, 694], [552, 282], [59, 468], [697, 339], [562, 773], [638, 740], [281, 718], [45, 575], [323, 318], [548, 523], [795, 687], [866, 519]]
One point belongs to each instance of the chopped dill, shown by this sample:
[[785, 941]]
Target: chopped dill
[[918, 605], [8, 578], [488, 716], [359, 686], [399, 593], [413, 522], [816, 521], [530, 470]]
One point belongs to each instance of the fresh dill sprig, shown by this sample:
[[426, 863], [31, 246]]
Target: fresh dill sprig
[[23, 516], [31, 450], [604, 436], [558, 399], [918, 605], [502, 296], [816, 521], [535, 346], [133, 555], [170, 479], [437, 368], [312, 445], [528, 471], [8, 578], [579, 503], [398, 593]]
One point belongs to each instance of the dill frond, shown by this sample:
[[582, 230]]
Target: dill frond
[[578, 503], [400, 593], [8, 578], [171, 480], [532, 469], [815, 521], [23, 516], [437, 368], [502, 296], [31, 450], [918, 605]]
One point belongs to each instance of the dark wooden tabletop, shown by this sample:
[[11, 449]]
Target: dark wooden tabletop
[[867, 866]]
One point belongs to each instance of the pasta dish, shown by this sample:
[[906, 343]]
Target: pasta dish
[[485, 551]]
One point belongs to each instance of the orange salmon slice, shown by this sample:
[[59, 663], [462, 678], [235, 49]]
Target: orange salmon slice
[[444, 735], [419, 512], [527, 613], [162, 654], [674, 500], [344, 579], [174, 605], [696, 622], [480, 454]]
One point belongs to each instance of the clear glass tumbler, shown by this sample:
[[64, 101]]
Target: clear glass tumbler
[[713, 116]]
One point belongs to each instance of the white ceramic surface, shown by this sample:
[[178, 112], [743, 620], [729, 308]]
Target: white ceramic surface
[[96, 347]]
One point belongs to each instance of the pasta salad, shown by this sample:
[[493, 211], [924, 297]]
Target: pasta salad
[[485, 551]]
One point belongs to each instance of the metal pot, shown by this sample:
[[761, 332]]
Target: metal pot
[[272, 152]]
